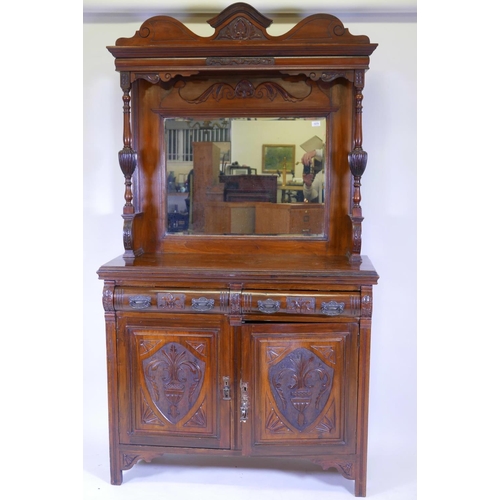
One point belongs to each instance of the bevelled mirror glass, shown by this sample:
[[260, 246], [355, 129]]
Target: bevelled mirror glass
[[261, 176]]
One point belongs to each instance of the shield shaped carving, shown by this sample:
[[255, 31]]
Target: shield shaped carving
[[301, 384], [174, 378]]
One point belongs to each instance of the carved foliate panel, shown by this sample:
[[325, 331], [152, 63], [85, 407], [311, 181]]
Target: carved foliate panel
[[300, 378], [174, 377], [171, 382], [173, 387], [301, 384]]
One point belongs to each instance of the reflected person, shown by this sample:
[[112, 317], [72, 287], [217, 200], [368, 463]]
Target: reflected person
[[313, 176]]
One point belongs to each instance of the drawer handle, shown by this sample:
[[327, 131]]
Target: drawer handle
[[202, 304], [140, 301], [268, 306], [332, 308]]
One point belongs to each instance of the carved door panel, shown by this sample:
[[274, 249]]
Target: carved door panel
[[299, 384], [174, 375]]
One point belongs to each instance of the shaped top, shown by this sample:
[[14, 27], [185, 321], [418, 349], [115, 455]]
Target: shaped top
[[241, 29]]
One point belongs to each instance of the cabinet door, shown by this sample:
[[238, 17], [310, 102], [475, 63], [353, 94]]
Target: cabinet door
[[172, 373], [299, 384]]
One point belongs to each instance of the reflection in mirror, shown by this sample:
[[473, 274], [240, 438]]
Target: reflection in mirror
[[245, 176]]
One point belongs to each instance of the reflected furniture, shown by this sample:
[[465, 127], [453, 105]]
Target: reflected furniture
[[250, 187], [247, 338]]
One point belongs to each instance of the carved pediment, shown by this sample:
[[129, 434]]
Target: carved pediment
[[240, 22], [318, 34]]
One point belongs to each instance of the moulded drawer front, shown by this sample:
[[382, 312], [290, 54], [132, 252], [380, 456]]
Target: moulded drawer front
[[174, 301], [332, 304], [346, 304]]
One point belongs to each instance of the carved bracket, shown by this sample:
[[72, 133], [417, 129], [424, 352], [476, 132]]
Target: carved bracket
[[345, 468]]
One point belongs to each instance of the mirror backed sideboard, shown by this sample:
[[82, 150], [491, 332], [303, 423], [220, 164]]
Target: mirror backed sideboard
[[238, 319]]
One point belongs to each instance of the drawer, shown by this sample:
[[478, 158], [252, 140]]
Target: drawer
[[322, 304], [239, 302], [175, 301]]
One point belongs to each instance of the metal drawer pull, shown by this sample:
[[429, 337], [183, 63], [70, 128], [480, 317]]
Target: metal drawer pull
[[245, 403], [268, 306], [140, 301], [332, 308], [226, 390], [202, 304]]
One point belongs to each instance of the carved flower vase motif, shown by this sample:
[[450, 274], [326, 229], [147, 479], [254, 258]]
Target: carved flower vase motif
[[301, 384], [174, 378]]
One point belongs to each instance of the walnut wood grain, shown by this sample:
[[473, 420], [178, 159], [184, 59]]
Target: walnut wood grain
[[240, 344]]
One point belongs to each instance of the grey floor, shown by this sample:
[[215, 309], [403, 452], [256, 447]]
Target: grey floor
[[391, 476]]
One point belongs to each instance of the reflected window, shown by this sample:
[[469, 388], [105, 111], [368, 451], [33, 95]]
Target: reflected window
[[180, 135]]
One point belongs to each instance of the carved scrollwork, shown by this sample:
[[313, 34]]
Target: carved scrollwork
[[150, 77], [328, 76], [244, 90], [128, 461], [128, 235], [241, 29]]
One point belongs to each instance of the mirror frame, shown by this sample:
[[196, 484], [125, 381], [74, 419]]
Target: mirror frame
[[247, 69]]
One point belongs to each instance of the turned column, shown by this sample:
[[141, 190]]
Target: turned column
[[357, 164], [127, 158]]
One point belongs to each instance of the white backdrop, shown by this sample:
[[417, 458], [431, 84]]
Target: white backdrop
[[388, 202]]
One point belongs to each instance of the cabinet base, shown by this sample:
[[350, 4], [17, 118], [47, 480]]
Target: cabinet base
[[348, 465]]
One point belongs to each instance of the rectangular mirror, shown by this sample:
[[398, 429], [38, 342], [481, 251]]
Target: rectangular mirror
[[245, 176]]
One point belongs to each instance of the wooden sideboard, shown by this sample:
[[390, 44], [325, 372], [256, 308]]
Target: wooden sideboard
[[255, 342]]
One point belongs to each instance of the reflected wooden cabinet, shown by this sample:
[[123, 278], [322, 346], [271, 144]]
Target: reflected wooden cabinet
[[289, 218], [246, 330]]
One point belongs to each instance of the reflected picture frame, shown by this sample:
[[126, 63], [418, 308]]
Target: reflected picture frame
[[276, 157]]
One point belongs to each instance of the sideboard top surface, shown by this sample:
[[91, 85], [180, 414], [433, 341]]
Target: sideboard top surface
[[236, 267]]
